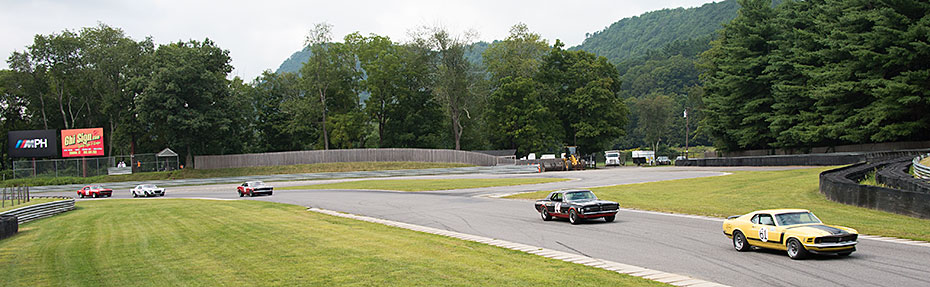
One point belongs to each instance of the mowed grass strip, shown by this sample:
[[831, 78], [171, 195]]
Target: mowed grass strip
[[187, 242], [8, 204], [746, 191], [230, 172], [427, 184]]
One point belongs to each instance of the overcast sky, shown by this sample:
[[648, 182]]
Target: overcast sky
[[261, 34]]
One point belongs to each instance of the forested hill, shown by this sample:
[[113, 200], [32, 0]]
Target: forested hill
[[297, 60], [634, 37]]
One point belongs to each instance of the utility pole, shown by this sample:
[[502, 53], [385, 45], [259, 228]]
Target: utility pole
[[687, 132]]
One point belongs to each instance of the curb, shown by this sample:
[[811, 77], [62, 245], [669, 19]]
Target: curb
[[655, 275]]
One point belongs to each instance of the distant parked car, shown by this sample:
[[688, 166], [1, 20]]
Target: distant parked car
[[663, 160], [147, 190], [94, 191], [251, 188], [681, 157]]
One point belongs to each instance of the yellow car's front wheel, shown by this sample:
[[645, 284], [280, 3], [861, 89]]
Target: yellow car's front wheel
[[796, 250]]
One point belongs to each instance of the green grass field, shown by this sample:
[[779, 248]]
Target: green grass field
[[745, 191], [8, 205], [179, 242], [229, 172], [427, 184]]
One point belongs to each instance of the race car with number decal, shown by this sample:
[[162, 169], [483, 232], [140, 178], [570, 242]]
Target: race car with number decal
[[797, 231], [94, 191], [576, 205], [251, 188]]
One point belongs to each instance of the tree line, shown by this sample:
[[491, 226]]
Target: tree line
[[363, 91], [802, 74]]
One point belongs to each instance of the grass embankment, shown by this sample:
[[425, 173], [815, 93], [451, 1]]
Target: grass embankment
[[7, 205], [745, 191], [178, 242], [427, 184], [229, 172]]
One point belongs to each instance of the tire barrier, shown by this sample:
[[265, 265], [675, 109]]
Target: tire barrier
[[895, 175], [921, 171], [9, 225], [42, 210], [824, 159], [841, 185]]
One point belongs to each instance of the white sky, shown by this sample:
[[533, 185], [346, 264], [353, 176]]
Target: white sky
[[261, 34]]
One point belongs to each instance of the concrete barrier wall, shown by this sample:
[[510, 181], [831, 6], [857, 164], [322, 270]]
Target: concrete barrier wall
[[348, 155], [800, 159], [841, 185], [858, 148]]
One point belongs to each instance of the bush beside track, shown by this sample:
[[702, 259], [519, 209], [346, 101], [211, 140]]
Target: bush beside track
[[186, 242]]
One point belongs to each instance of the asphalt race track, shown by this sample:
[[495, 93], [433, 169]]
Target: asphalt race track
[[683, 245]]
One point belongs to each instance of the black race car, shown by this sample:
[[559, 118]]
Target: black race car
[[576, 205]]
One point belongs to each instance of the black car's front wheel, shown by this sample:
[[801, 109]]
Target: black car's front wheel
[[573, 217], [739, 242], [610, 218], [544, 213]]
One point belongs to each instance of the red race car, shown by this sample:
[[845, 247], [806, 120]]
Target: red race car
[[251, 188], [94, 191]]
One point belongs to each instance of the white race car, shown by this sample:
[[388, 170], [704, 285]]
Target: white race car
[[147, 190]]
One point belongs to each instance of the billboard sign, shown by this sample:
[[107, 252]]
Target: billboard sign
[[82, 142], [34, 143]]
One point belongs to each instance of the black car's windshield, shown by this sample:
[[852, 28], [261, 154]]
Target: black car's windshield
[[796, 218], [579, 195]]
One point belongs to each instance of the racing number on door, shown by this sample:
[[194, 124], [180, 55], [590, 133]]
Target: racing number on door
[[763, 234], [558, 207]]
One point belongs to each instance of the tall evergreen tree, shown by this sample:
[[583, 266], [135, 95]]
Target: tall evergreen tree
[[738, 92]]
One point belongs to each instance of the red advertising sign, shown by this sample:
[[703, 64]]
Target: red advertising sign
[[82, 142]]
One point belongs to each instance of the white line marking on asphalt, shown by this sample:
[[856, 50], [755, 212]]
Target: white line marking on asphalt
[[548, 253]]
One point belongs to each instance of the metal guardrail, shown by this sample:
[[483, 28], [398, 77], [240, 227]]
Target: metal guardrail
[[42, 210], [921, 171]]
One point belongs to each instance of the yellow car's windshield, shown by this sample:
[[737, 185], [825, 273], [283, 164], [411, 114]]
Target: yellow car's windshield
[[796, 218]]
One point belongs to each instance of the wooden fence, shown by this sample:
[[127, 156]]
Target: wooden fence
[[348, 155]]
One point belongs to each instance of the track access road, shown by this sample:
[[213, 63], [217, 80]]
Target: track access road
[[683, 245]]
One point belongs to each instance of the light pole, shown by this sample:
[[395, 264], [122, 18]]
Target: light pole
[[687, 132]]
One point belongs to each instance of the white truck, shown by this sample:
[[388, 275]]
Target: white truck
[[641, 157], [612, 158]]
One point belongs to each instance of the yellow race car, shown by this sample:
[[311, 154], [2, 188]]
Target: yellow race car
[[797, 231]]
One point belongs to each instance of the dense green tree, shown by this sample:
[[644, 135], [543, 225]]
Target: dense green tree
[[521, 119], [873, 85], [738, 92], [584, 95], [654, 117], [279, 106], [187, 100], [519, 55], [417, 116], [330, 75], [453, 76], [379, 59]]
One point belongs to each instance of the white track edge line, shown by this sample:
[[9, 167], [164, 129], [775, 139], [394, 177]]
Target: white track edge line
[[544, 252]]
